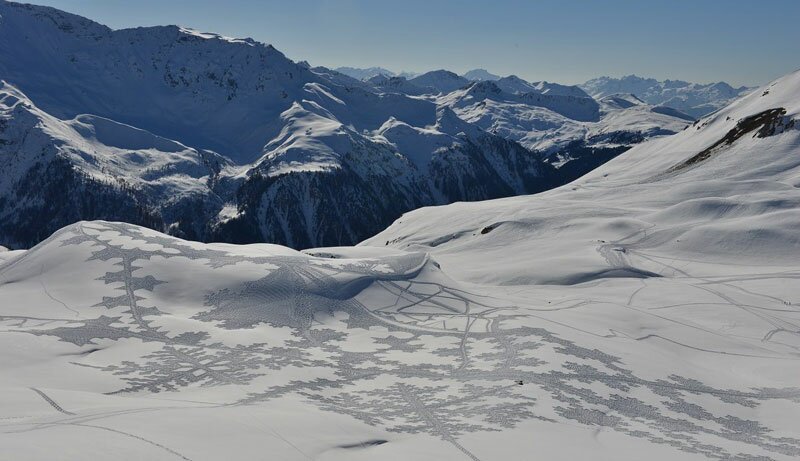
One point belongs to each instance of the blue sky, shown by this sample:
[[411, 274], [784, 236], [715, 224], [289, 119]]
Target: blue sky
[[742, 42]]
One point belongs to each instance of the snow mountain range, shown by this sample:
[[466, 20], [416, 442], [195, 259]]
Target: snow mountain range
[[648, 309], [369, 72], [214, 138], [695, 99], [478, 75]]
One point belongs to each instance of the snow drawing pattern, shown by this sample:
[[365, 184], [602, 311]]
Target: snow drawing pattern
[[441, 361]]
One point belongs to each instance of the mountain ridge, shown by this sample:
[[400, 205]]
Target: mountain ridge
[[695, 99], [266, 125]]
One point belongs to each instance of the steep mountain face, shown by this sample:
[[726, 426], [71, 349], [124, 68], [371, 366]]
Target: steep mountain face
[[204, 90], [215, 138], [694, 99], [316, 157], [319, 182], [56, 172], [563, 124], [364, 183]]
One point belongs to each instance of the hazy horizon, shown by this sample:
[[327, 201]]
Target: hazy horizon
[[733, 41]]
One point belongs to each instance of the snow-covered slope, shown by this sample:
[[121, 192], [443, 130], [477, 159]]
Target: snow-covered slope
[[477, 75], [310, 163], [369, 72], [628, 114], [647, 310], [726, 187], [366, 73], [319, 181], [441, 81], [215, 138], [204, 90], [683, 252], [514, 84], [563, 123], [325, 184], [567, 129], [57, 171], [694, 99]]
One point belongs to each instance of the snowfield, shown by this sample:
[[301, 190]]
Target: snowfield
[[649, 309]]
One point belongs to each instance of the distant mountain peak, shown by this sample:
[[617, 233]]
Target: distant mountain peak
[[480, 75], [364, 73], [442, 80], [694, 99]]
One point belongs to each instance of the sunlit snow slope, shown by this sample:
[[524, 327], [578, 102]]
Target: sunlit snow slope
[[726, 188], [647, 310], [211, 138], [682, 254]]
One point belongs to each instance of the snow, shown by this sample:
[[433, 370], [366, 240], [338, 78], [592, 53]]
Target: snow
[[627, 113], [694, 99], [753, 177], [212, 36], [646, 309], [516, 85], [179, 124], [477, 75], [182, 122], [370, 72], [308, 142], [441, 81], [101, 148], [549, 121]]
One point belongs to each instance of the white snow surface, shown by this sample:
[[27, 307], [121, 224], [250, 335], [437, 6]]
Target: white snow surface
[[648, 309], [738, 203], [545, 121], [695, 99], [240, 98], [477, 75], [101, 148]]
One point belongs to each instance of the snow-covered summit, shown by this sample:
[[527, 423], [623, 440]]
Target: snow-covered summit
[[514, 84], [550, 122], [54, 170], [151, 77], [441, 80], [480, 75], [694, 99], [365, 74]]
